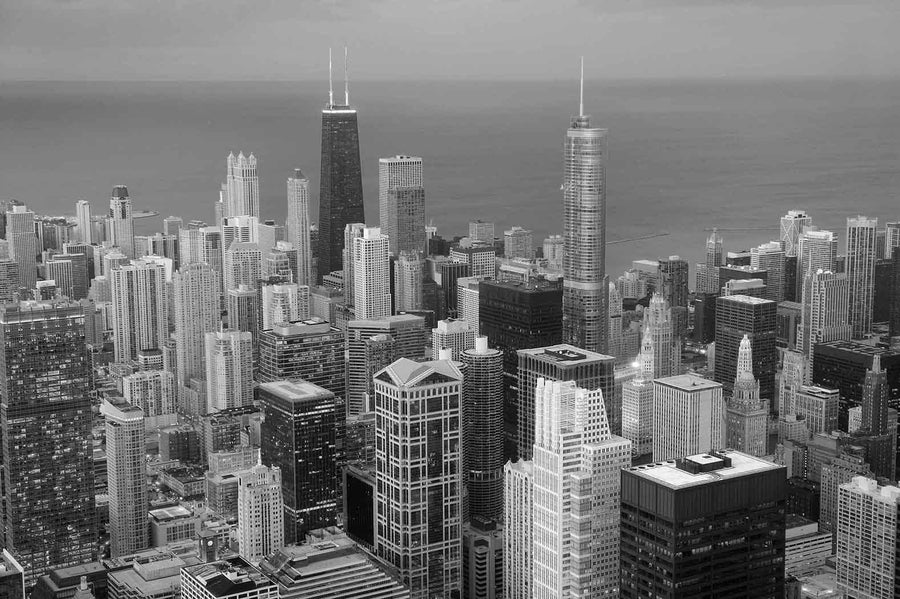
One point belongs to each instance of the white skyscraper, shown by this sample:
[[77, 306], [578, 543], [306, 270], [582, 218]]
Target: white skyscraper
[[229, 370], [351, 231], [153, 391], [824, 314], [666, 348], [84, 228], [688, 417], [197, 312], [861, 234], [637, 402], [126, 469], [770, 257], [297, 225], [120, 224], [554, 247], [242, 265], [409, 275], [22, 244], [891, 237], [452, 334], [867, 529], [140, 308], [419, 474], [260, 512], [815, 249], [284, 302], [575, 516], [746, 415], [371, 275], [518, 243], [401, 203], [518, 504], [792, 225], [242, 181], [467, 301]]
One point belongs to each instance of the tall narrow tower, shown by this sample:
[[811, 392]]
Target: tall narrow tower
[[83, 218], [637, 402], [297, 225], [22, 244], [120, 221], [127, 475], [401, 202], [861, 233], [746, 413], [585, 284], [340, 191], [242, 186]]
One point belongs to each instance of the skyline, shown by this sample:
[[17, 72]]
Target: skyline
[[644, 39]]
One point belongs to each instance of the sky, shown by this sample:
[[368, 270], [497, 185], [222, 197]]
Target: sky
[[104, 40]]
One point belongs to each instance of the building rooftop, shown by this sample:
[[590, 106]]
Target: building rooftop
[[295, 390], [724, 465], [857, 347], [228, 577], [405, 372], [566, 354], [312, 326], [688, 382], [747, 299], [385, 321], [175, 512]]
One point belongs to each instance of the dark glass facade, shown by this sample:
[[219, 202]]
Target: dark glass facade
[[449, 300], [673, 281], [340, 191], [883, 291], [843, 365], [359, 505], [739, 315], [45, 415]]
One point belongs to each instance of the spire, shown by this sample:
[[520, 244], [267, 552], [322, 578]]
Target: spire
[[346, 80], [876, 363], [745, 361], [646, 358], [581, 94], [330, 86]]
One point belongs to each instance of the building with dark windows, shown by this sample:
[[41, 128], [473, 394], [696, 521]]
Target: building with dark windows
[[299, 436], [12, 577], [739, 315], [672, 275], [359, 503], [45, 415], [703, 526], [787, 317], [843, 365], [704, 317]]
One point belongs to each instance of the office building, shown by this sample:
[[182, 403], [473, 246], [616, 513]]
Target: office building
[[127, 475], [585, 283], [480, 257], [787, 320], [409, 279], [231, 578], [120, 223], [60, 272], [518, 243], [242, 305], [242, 185], [838, 471], [861, 233], [482, 559], [242, 265], [229, 370], [9, 281], [729, 502], [554, 249], [468, 302], [737, 316], [452, 334], [824, 316], [23, 249], [815, 250], [84, 227], [867, 539], [707, 275], [153, 391], [401, 203], [792, 225], [351, 231], [298, 224], [197, 312], [419, 474], [843, 365], [577, 465], [480, 230], [637, 402], [340, 191], [770, 257], [688, 416], [666, 347], [371, 275], [482, 417], [673, 280], [140, 307], [518, 506], [746, 414], [157, 245], [311, 350], [260, 513], [45, 413], [283, 303], [819, 408]]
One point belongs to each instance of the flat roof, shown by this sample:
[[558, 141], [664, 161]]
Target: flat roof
[[174, 512], [229, 577], [563, 353], [668, 474], [688, 382], [746, 299], [295, 390]]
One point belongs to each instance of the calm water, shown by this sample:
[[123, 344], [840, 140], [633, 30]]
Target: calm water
[[683, 156]]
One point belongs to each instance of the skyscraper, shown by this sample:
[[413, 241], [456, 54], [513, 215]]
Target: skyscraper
[[825, 305], [707, 274], [480, 230], [861, 233], [482, 417], [875, 397], [120, 223], [298, 223], [728, 501], [452, 334], [585, 284], [815, 249], [45, 413], [126, 469], [518, 505], [340, 191], [637, 402], [283, 303], [409, 279], [140, 308], [401, 203], [518, 243], [688, 416], [260, 513], [746, 414], [84, 225], [577, 465], [197, 312], [371, 274], [419, 474], [739, 315], [673, 280], [242, 265], [229, 370], [666, 347], [22, 244], [771, 258], [351, 231], [792, 225], [242, 185]]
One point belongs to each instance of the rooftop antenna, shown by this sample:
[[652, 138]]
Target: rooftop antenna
[[346, 80], [581, 95], [330, 86]]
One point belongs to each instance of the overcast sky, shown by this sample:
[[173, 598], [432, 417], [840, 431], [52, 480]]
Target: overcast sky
[[447, 39]]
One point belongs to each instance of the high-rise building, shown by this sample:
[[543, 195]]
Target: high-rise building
[[229, 370], [666, 347], [243, 310], [351, 231], [283, 303], [815, 249], [153, 391], [120, 224], [861, 233], [482, 417], [140, 308], [737, 316], [688, 416], [839, 471], [480, 256], [819, 408], [518, 243], [480, 230], [45, 413], [575, 518], [452, 334], [792, 225], [868, 539], [9, 281], [242, 185], [84, 226], [409, 278], [260, 513], [298, 223], [203, 244], [875, 398], [156, 245], [371, 275], [299, 437], [23, 249], [518, 506], [60, 272], [746, 414], [616, 342], [729, 502], [468, 301], [340, 191], [637, 402], [482, 559], [231, 578], [673, 280], [707, 275], [585, 283], [771, 258], [419, 474], [554, 249], [242, 265], [561, 362], [401, 203], [825, 305], [197, 312], [172, 225], [126, 469]]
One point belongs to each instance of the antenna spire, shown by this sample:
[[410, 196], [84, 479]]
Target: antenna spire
[[346, 80], [581, 95], [330, 86]]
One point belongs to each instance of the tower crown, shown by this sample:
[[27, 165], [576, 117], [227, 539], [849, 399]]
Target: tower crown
[[745, 361]]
